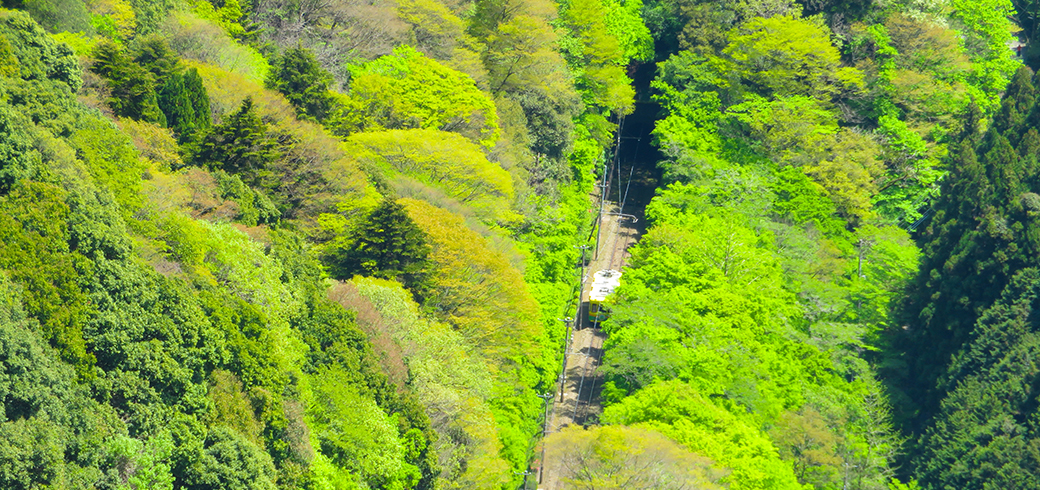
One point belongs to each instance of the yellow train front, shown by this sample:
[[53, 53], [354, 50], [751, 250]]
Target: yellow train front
[[603, 285]]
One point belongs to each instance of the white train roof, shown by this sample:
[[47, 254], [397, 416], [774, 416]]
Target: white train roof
[[604, 283]]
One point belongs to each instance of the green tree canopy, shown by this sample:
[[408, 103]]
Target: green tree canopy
[[408, 90], [298, 76], [132, 86], [786, 55], [388, 245]]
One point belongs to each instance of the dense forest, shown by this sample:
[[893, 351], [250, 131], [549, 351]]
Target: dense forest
[[296, 244]]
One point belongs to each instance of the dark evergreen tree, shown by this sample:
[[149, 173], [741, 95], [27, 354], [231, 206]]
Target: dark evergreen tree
[[198, 98], [132, 87], [387, 245], [298, 76], [153, 54], [176, 105], [987, 433], [979, 236], [241, 145]]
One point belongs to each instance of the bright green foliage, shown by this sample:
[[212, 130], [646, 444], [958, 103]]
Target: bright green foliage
[[408, 90], [725, 297], [229, 14], [443, 160], [356, 435], [438, 30], [465, 268], [680, 412], [214, 355], [114, 19], [623, 20], [475, 289], [35, 252], [312, 174], [140, 464], [111, 159], [196, 38], [297, 75], [598, 58], [786, 55], [388, 245], [988, 31], [452, 383]]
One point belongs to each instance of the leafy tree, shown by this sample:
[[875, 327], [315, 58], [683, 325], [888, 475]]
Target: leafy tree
[[226, 461], [39, 55], [786, 55], [48, 426], [297, 75], [600, 57], [678, 411], [35, 242], [409, 90], [56, 15], [619, 457], [805, 438], [987, 29], [20, 160], [444, 160], [523, 66]]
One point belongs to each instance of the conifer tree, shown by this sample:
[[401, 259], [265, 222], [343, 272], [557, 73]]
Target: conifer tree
[[241, 145], [176, 105], [132, 87], [985, 434], [298, 76], [154, 55], [388, 245], [981, 234], [198, 98]]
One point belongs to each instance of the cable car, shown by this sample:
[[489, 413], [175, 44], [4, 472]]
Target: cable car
[[603, 285]]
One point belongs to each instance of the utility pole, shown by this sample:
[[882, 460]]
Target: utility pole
[[602, 201], [566, 352], [545, 433]]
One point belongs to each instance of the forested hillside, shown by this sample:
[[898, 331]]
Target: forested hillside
[[283, 244]]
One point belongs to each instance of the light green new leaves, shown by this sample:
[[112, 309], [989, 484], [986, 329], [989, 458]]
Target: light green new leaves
[[409, 90], [444, 160], [987, 31], [785, 55], [679, 411]]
